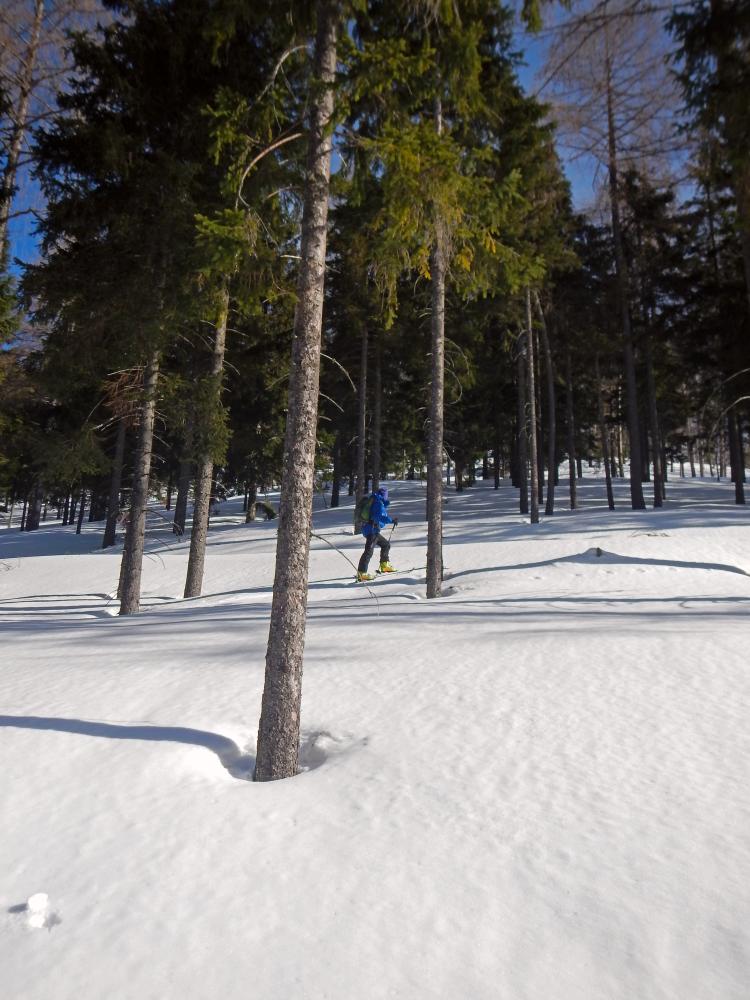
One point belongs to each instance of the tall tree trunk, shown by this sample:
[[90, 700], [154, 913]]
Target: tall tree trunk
[[205, 473], [551, 406], [736, 457], [603, 435], [362, 421], [521, 436], [19, 117], [132, 553], [34, 511], [623, 293], [278, 731], [570, 430], [534, 490], [79, 524], [377, 411], [437, 396], [653, 419], [113, 504]]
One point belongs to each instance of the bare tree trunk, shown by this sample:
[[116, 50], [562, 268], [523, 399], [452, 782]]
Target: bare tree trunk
[[362, 422], [653, 416], [113, 504], [79, 525], [18, 131], [34, 511], [603, 435], [278, 731], [534, 490], [735, 458], [204, 478], [521, 438], [570, 430], [551, 406], [132, 553], [377, 411], [437, 396], [623, 289]]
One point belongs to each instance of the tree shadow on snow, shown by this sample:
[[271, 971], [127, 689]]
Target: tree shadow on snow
[[594, 555], [231, 757]]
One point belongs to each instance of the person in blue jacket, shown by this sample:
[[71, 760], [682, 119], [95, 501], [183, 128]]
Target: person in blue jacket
[[378, 518]]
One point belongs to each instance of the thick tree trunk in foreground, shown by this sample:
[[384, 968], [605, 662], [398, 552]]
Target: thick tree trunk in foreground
[[132, 553], [204, 478], [436, 406], [278, 731], [533, 458], [113, 504]]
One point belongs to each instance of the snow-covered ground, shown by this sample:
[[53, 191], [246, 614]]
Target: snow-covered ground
[[537, 786]]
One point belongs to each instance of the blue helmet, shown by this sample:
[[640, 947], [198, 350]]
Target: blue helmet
[[383, 492]]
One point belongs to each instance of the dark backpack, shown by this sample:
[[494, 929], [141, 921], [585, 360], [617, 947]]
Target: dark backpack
[[362, 511]]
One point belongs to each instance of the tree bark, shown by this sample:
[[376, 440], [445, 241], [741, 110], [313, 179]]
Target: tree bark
[[362, 421], [551, 416], [34, 511], [603, 435], [205, 473], [278, 731], [736, 458], [79, 524], [570, 430], [377, 411], [113, 504], [521, 436], [132, 553], [437, 397], [653, 419], [18, 131], [623, 292], [534, 489]]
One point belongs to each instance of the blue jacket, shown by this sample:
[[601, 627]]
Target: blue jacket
[[378, 516]]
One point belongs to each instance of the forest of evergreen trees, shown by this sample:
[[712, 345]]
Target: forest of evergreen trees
[[284, 243]]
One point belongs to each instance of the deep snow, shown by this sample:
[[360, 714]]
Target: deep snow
[[537, 786]]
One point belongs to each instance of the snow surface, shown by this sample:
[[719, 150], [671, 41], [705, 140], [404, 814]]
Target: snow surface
[[534, 788]]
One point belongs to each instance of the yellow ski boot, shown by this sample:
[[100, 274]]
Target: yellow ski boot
[[385, 567]]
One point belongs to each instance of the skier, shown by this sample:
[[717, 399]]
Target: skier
[[374, 516]]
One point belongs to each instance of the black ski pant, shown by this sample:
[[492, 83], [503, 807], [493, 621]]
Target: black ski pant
[[370, 543]]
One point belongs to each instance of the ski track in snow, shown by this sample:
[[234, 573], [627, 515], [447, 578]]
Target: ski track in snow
[[536, 787]]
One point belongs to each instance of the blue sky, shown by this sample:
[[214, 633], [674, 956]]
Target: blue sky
[[580, 173]]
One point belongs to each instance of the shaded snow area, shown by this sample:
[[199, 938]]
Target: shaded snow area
[[534, 788]]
